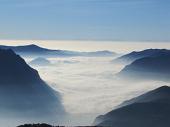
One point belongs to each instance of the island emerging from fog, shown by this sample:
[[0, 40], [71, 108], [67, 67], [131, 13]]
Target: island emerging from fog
[[40, 61]]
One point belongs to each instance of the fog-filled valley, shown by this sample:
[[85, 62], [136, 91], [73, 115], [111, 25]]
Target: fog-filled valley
[[89, 86], [71, 88], [85, 63]]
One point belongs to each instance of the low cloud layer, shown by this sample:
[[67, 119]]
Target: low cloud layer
[[88, 87]]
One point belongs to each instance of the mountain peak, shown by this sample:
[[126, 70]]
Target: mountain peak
[[33, 45], [163, 89]]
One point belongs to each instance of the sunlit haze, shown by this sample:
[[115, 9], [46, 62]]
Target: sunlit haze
[[116, 46]]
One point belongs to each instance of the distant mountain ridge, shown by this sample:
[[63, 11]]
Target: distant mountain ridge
[[151, 109], [25, 48], [131, 57], [34, 50]]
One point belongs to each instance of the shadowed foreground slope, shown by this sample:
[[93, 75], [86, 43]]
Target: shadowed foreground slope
[[148, 110], [24, 96]]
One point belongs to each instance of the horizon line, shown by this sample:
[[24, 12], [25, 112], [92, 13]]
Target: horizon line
[[86, 40]]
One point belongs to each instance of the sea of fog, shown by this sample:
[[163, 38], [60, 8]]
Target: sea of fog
[[88, 86]]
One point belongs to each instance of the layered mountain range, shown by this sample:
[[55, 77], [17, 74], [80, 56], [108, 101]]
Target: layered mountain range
[[36, 51], [153, 67], [131, 57]]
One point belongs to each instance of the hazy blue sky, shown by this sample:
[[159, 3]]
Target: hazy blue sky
[[130, 20]]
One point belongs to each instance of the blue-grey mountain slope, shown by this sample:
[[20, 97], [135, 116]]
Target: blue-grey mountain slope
[[151, 109], [148, 68], [24, 96], [131, 57]]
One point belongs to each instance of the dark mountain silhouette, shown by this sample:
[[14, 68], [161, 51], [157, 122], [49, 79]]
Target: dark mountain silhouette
[[148, 68], [148, 110], [23, 94], [36, 125], [43, 125], [36, 51], [40, 61], [131, 57], [25, 48]]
